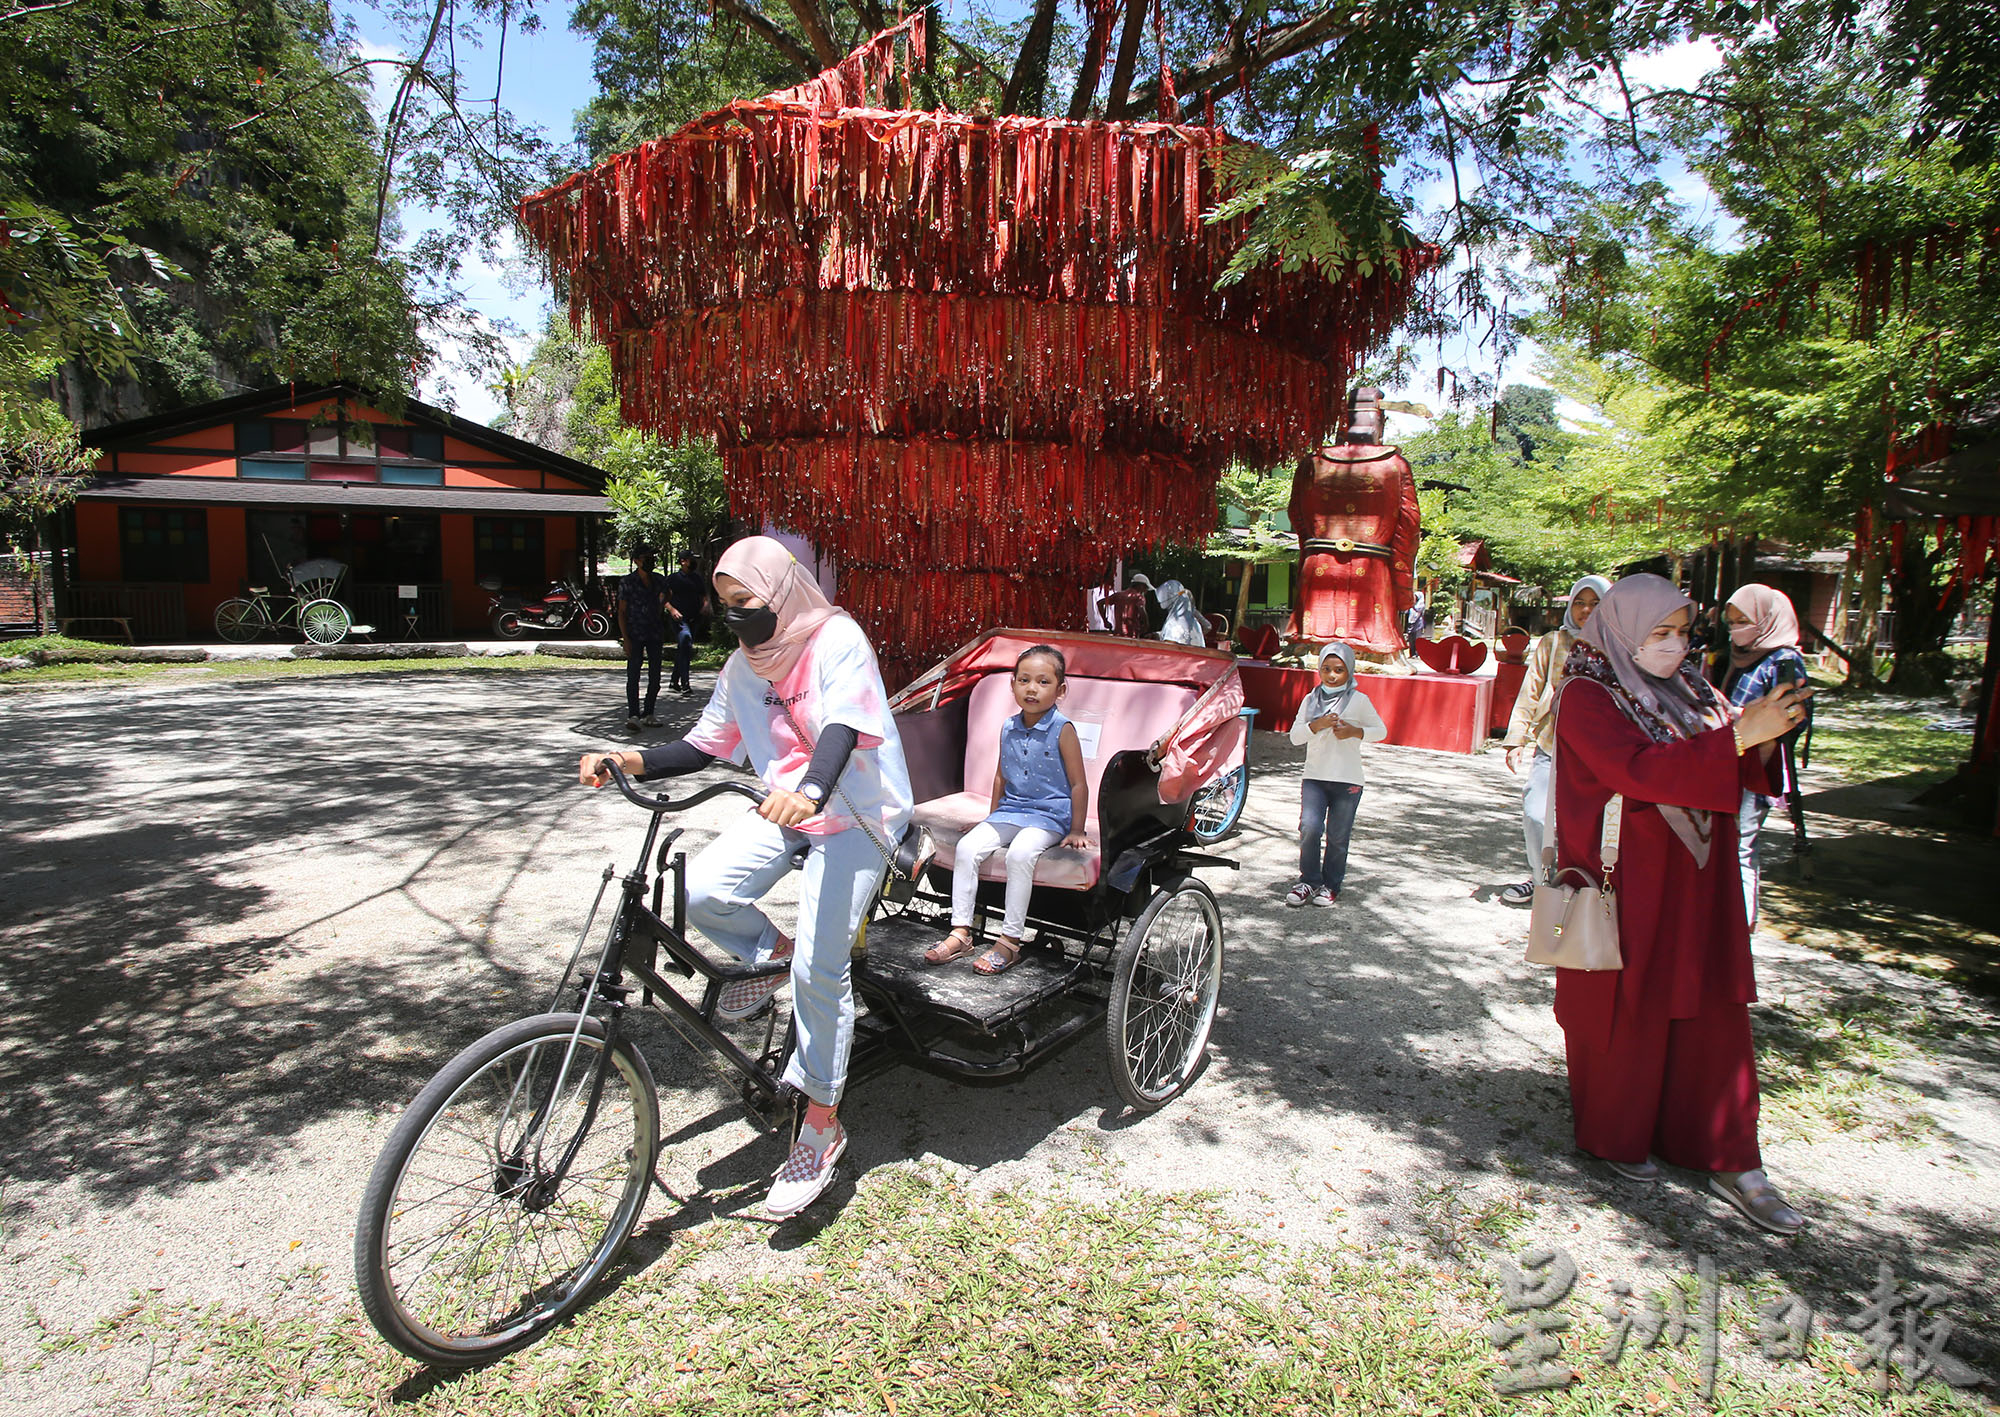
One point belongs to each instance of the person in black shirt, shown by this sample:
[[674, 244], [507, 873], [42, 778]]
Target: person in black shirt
[[687, 599], [642, 627]]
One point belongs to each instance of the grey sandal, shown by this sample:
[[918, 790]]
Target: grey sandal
[[1752, 1193]]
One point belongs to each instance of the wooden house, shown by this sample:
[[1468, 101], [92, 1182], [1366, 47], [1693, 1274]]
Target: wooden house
[[189, 508]]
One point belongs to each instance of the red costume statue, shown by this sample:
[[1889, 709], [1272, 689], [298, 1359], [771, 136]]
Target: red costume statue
[[1354, 506]]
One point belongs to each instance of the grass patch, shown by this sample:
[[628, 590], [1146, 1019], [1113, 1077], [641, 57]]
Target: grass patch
[[1827, 1070], [922, 1299], [1891, 745]]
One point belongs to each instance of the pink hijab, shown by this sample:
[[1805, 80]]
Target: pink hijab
[[1771, 617], [775, 577]]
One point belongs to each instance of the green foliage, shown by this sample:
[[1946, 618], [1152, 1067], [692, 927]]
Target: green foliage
[[662, 495], [41, 471]]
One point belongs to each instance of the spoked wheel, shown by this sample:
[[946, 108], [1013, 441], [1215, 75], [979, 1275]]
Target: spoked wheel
[[474, 1237], [596, 625], [1164, 982], [324, 622], [1218, 806], [507, 625], [240, 621]]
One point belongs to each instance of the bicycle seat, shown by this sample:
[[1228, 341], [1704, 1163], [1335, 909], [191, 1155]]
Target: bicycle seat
[[260, 590]]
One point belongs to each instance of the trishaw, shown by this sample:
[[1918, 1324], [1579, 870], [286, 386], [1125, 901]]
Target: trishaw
[[310, 607], [506, 1190]]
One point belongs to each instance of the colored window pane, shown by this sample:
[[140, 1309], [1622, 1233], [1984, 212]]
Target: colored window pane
[[269, 470], [288, 435], [427, 444], [253, 437], [342, 472], [412, 475], [164, 544]]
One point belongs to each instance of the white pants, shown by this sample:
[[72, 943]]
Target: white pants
[[842, 873], [1023, 845]]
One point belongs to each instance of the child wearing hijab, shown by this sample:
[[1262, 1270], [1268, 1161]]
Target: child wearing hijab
[[1660, 1056], [1533, 725], [1763, 653], [1333, 722], [802, 700]]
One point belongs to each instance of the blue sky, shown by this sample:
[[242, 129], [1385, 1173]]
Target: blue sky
[[548, 78]]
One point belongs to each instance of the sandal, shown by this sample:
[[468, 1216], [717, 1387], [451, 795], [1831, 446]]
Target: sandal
[[1004, 955], [957, 945], [1752, 1193]]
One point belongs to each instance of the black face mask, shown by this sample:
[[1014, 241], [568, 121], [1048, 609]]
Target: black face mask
[[752, 625]]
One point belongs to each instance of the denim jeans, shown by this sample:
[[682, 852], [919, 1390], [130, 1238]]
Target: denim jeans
[[683, 656], [1535, 811], [1326, 814], [1750, 814], [841, 875], [649, 654]]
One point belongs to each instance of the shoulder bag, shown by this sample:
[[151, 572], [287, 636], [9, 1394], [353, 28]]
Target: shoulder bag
[[1574, 921]]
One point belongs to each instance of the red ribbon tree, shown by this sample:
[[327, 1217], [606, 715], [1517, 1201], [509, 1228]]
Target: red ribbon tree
[[972, 358]]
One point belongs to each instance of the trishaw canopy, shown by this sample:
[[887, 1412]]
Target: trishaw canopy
[[1191, 752]]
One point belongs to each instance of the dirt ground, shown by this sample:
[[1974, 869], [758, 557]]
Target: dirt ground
[[241, 924]]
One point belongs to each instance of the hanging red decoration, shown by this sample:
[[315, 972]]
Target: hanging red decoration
[[973, 359]]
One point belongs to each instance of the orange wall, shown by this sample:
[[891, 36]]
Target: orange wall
[[468, 601]]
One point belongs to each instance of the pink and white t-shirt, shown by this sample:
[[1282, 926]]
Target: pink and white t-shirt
[[835, 681]]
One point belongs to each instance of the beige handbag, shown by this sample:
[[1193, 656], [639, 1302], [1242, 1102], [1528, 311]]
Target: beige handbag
[[1574, 921]]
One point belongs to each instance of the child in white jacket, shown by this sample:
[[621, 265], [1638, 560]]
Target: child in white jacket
[[1333, 722]]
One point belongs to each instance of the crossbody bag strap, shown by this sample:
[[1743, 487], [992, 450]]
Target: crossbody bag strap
[[841, 792]]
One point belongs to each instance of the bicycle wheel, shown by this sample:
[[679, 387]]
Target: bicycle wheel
[[324, 622], [468, 1245], [1216, 808], [240, 621], [1165, 979]]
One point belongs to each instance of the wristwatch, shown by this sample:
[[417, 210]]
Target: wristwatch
[[812, 792]]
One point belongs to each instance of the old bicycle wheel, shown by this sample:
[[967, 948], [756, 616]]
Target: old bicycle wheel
[[240, 621], [473, 1238], [324, 622], [1164, 981]]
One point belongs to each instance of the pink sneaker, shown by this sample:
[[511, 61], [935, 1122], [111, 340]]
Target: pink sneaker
[[746, 998]]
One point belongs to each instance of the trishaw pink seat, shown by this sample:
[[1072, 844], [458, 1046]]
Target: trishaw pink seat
[[1110, 716]]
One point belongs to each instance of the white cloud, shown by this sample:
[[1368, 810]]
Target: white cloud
[[1679, 66]]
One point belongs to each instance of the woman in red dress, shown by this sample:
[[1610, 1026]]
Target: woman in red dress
[[1660, 1057]]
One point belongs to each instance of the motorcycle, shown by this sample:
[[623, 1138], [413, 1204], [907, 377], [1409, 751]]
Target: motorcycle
[[560, 607]]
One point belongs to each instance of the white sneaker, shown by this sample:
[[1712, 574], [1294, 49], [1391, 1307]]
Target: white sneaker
[[1325, 895], [1299, 894], [807, 1172]]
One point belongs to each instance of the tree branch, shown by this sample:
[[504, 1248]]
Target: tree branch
[[806, 12], [35, 10], [775, 35], [1270, 46]]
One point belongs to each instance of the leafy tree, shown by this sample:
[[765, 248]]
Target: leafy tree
[[1852, 307], [660, 493], [42, 467], [234, 142]]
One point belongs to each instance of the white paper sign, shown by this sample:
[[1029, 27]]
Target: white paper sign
[[1087, 735], [406, 592]]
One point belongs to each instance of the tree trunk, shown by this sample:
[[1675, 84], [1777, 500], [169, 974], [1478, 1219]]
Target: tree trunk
[[1031, 67], [1128, 58], [1861, 661], [1924, 612], [1243, 601]]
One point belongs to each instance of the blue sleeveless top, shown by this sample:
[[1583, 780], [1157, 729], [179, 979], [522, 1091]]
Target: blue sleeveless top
[[1034, 788]]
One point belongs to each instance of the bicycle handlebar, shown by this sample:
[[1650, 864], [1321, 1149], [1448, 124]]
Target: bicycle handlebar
[[665, 804]]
